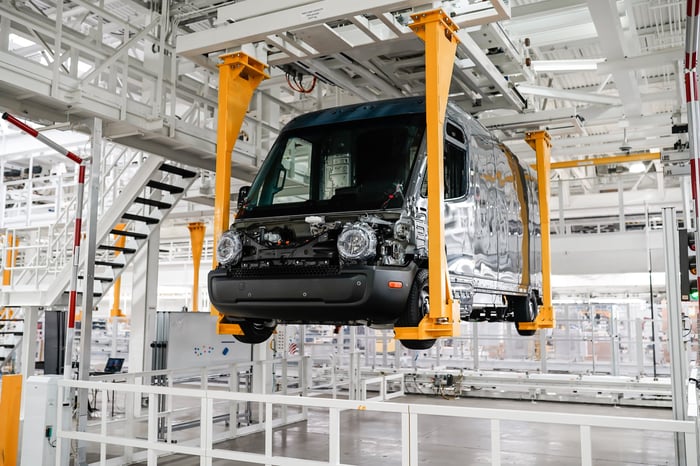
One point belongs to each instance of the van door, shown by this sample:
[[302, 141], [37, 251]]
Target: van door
[[457, 208], [485, 239]]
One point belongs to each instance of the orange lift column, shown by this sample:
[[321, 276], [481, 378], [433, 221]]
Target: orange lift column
[[116, 302], [239, 76], [197, 230], [11, 244], [542, 144], [10, 401], [437, 30]]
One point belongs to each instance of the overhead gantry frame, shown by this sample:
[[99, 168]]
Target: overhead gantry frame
[[438, 32], [239, 76]]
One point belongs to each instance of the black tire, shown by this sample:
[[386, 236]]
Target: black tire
[[524, 310], [255, 332], [416, 308]]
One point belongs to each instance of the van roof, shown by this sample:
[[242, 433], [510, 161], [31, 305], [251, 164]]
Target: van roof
[[362, 111]]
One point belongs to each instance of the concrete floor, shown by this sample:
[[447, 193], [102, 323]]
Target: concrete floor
[[370, 439]]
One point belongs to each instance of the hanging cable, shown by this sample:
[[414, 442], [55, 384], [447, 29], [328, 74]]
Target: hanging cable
[[295, 82]]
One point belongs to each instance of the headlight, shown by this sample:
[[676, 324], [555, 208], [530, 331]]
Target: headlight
[[230, 248], [357, 242]]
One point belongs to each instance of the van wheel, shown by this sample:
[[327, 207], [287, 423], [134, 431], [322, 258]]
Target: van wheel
[[255, 331], [416, 308], [524, 310]]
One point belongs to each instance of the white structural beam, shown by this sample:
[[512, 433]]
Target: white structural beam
[[257, 28], [550, 119], [575, 96], [612, 41], [668, 56], [484, 64]]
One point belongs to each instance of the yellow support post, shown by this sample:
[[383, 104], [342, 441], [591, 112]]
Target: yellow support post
[[239, 76], [10, 399], [10, 258], [437, 30], [197, 230], [542, 144], [116, 310]]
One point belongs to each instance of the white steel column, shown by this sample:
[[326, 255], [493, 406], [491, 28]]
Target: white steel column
[[94, 185], [615, 343], [143, 304], [676, 346], [31, 316]]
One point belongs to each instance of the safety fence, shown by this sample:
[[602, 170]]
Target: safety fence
[[145, 444]]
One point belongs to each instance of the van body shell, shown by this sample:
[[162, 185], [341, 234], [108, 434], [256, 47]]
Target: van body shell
[[290, 270]]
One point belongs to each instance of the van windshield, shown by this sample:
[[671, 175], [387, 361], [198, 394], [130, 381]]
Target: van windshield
[[352, 165]]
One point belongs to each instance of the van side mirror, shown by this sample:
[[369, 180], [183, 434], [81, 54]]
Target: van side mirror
[[242, 194]]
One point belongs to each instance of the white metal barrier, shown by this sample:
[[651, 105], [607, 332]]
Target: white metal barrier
[[384, 393], [204, 446]]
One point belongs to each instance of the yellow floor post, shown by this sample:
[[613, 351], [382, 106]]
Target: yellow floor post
[[197, 230], [10, 398], [437, 30], [116, 301], [12, 243], [239, 76], [542, 144]]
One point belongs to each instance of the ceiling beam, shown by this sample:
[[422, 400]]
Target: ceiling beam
[[258, 28], [607, 23], [562, 94]]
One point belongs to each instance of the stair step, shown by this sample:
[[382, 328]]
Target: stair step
[[140, 218], [111, 247], [132, 234], [153, 202], [10, 332], [183, 172], [7, 346], [172, 189], [11, 320], [95, 294], [114, 265], [99, 279]]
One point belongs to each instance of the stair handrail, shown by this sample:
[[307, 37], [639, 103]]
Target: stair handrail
[[116, 172], [56, 249], [109, 218]]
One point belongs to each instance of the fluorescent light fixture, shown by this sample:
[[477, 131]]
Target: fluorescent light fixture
[[637, 167], [566, 65]]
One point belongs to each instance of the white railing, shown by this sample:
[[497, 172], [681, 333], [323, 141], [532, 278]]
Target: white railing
[[203, 445], [385, 382], [35, 200], [44, 250], [180, 251]]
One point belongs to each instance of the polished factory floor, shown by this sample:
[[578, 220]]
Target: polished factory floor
[[370, 439]]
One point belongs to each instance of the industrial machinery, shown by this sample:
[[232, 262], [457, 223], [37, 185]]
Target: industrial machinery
[[334, 228]]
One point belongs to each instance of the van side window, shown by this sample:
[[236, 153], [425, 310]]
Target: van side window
[[292, 182], [454, 163]]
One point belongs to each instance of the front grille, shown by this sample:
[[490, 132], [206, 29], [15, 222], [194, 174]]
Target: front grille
[[284, 271]]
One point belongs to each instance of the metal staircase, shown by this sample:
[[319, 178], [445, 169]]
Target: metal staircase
[[11, 332], [138, 193]]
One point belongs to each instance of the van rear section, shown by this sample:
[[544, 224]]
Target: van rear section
[[333, 230]]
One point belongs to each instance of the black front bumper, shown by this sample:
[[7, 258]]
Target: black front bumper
[[357, 294]]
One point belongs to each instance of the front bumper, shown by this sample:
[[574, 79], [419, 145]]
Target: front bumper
[[357, 294]]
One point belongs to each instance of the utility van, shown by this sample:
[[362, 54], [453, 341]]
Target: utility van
[[333, 230]]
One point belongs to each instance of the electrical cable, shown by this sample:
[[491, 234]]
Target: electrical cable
[[295, 82]]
